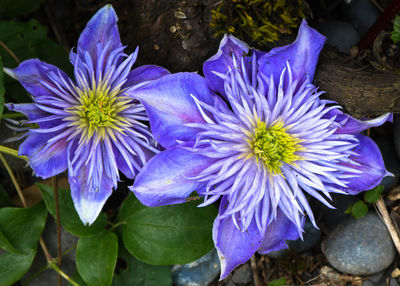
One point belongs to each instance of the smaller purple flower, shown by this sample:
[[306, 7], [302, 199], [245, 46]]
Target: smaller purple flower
[[261, 148], [91, 126]]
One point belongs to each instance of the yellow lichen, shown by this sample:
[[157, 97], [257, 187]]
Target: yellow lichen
[[258, 22]]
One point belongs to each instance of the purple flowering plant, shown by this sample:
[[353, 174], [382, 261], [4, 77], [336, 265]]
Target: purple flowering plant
[[90, 126], [254, 134]]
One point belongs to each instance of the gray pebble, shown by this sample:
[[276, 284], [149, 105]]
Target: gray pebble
[[311, 237], [362, 14], [242, 275], [197, 273], [339, 34], [360, 246]]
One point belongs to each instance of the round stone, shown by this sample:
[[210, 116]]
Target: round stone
[[197, 273], [360, 246], [311, 237], [339, 34]]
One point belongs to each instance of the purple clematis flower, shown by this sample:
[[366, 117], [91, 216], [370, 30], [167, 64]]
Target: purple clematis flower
[[91, 126], [261, 147]]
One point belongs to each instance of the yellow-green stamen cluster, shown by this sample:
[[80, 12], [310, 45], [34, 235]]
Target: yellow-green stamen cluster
[[274, 146], [99, 111]]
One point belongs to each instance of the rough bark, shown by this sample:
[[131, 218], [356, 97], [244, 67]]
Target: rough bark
[[361, 92]]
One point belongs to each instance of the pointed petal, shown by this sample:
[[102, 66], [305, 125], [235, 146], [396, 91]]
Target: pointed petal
[[143, 74], [169, 104], [350, 125], [279, 230], [222, 60], [302, 55], [234, 247], [90, 186], [370, 163], [46, 159], [101, 28], [164, 180], [32, 112], [31, 73]]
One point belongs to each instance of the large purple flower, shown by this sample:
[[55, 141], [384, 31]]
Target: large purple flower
[[260, 148], [90, 126]]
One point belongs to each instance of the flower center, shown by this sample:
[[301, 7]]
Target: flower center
[[274, 146], [99, 111]]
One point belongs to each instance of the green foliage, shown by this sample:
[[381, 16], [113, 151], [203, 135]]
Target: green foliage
[[77, 278], [6, 245], [257, 21], [278, 282], [360, 208], [396, 30], [5, 200], [138, 273], [68, 215], [11, 8], [96, 258], [175, 234], [20, 231], [372, 196], [27, 40]]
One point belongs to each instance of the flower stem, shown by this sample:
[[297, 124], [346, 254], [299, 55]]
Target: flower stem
[[388, 222], [12, 152], [63, 274], [13, 179], [10, 52], [59, 252], [11, 115], [117, 225]]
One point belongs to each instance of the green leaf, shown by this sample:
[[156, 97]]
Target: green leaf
[[373, 195], [6, 245], [396, 30], [28, 40], [175, 234], [12, 8], [4, 198], [359, 209], [348, 210], [137, 273], [96, 258], [2, 89], [278, 282], [68, 216], [22, 228], [77, 278]]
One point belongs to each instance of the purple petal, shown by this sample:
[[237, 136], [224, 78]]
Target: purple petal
[[234, 247], [143, 74], [370, 163], [350, 125], [102, 28], [46, 160], [279, 230], [90, 186], [32, 112], [31, 73], [169, 104], [164, 180], [302, 55], [222, 61]]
